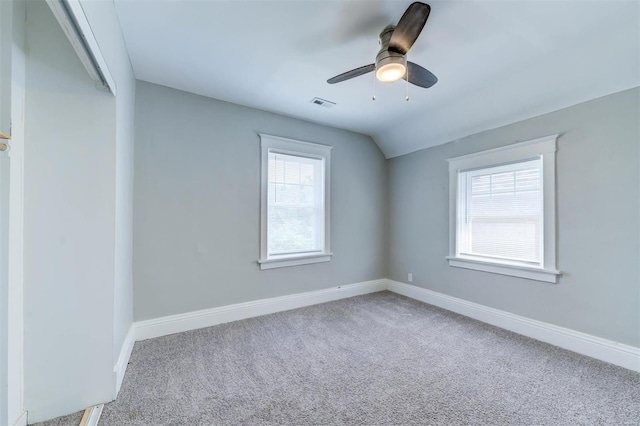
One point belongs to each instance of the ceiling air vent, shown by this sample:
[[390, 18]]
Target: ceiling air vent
[[323, 102]]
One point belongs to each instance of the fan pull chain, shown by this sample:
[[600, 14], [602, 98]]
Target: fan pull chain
[[407, 95], [374, 87]]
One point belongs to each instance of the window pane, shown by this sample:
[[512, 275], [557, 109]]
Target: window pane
[[306, 174], [503, 212], [295, 222], [291, 172], [481, 184], [502, 182]]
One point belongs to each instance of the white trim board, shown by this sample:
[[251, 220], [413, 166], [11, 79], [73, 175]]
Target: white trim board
[[123, 359], [74, 23], [545, 150], [304, 151], [582, 343], [208, 317]]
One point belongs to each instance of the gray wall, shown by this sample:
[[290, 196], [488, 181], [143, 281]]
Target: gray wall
[[106, 28], [197, 211], [597, 221], [78, 182], [13, 368], [69, 226]]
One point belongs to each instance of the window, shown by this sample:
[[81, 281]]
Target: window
[[294, 203], [503, 210]]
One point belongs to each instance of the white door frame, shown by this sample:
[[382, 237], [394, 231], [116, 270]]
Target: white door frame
[[11, 233]]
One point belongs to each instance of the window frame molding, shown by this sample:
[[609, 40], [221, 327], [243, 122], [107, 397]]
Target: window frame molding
[[270, 143], [545, 147]]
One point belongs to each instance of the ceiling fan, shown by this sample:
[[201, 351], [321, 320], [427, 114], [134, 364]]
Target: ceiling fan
[[391, 61]]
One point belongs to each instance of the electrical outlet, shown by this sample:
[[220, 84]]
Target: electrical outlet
[[410, 278]]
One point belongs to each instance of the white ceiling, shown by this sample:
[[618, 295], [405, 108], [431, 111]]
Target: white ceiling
[[497, 61]]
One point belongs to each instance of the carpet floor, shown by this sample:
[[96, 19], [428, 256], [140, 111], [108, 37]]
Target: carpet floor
[[377, 359]]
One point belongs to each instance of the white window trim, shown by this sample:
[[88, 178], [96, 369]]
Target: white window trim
[[270, 143], [544, 147]]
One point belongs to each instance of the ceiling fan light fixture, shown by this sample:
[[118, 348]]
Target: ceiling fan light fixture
[[395, 41], [391, 72], [390, 66]]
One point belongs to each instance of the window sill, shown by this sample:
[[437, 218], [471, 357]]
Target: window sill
[[284, 261], [537, 274]]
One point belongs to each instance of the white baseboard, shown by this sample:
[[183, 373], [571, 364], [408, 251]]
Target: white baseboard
[[208, 317], [22, 420], [582, 343], [123, 359]]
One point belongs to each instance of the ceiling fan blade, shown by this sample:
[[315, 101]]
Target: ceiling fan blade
[[409, 27], [420, 76], [351, 74]]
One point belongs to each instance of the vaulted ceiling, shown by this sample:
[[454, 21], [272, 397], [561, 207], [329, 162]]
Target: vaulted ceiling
[[497, 61]]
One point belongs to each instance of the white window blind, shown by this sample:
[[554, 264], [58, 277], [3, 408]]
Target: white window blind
[[501, 214], [295, 223]]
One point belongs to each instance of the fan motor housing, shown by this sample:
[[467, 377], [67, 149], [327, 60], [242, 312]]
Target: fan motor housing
[[385, 56]]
